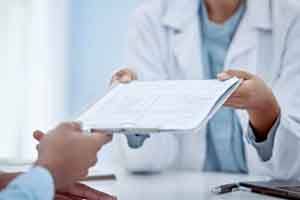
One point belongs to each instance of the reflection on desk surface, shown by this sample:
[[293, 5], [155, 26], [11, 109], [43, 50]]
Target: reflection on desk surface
[[175, 186]]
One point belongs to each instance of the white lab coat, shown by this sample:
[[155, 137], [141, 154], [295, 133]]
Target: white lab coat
[[165, 43]]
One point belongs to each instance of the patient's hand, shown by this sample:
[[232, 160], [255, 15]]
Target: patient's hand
[[77, 189], [68, 153]]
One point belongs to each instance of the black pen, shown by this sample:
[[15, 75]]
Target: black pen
[[223, 189]]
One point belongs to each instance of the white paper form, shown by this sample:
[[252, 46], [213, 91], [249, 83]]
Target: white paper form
[[158, 106]]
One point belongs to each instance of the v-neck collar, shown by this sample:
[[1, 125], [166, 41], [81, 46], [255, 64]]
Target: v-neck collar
[[227, 29]]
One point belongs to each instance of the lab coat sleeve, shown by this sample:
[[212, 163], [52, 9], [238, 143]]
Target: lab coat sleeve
[[143, 55], [285, 161], [146, 44], [264, 148]]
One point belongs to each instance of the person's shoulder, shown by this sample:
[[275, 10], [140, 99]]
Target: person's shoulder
[[286, 14], [151, 9], [292, 4], [288, 7], [286, 20]]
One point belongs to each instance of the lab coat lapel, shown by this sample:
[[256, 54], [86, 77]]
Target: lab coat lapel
[[182, 20], [186, 38], [243, 52], [187, 50]]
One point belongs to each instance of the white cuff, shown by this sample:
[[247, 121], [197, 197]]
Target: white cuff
[[264, 148]]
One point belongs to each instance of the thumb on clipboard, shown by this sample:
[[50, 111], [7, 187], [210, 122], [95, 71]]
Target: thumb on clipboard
[[125, 75]]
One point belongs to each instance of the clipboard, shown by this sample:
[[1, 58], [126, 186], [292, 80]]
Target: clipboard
[[145, 107]]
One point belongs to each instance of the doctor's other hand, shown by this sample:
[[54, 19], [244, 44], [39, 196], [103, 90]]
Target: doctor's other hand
[[68, 153], [123, 76], [257, 98]]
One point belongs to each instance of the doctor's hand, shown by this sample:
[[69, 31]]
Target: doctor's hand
[[123, 76], [127, 75], [68, 153], [257, 98]]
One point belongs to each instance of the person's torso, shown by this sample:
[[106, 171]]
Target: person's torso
[[257, 49], [185, 62]]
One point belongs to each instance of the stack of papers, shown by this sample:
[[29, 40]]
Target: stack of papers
[[159, 106]]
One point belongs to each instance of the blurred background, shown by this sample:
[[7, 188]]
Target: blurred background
[[56, 57]]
